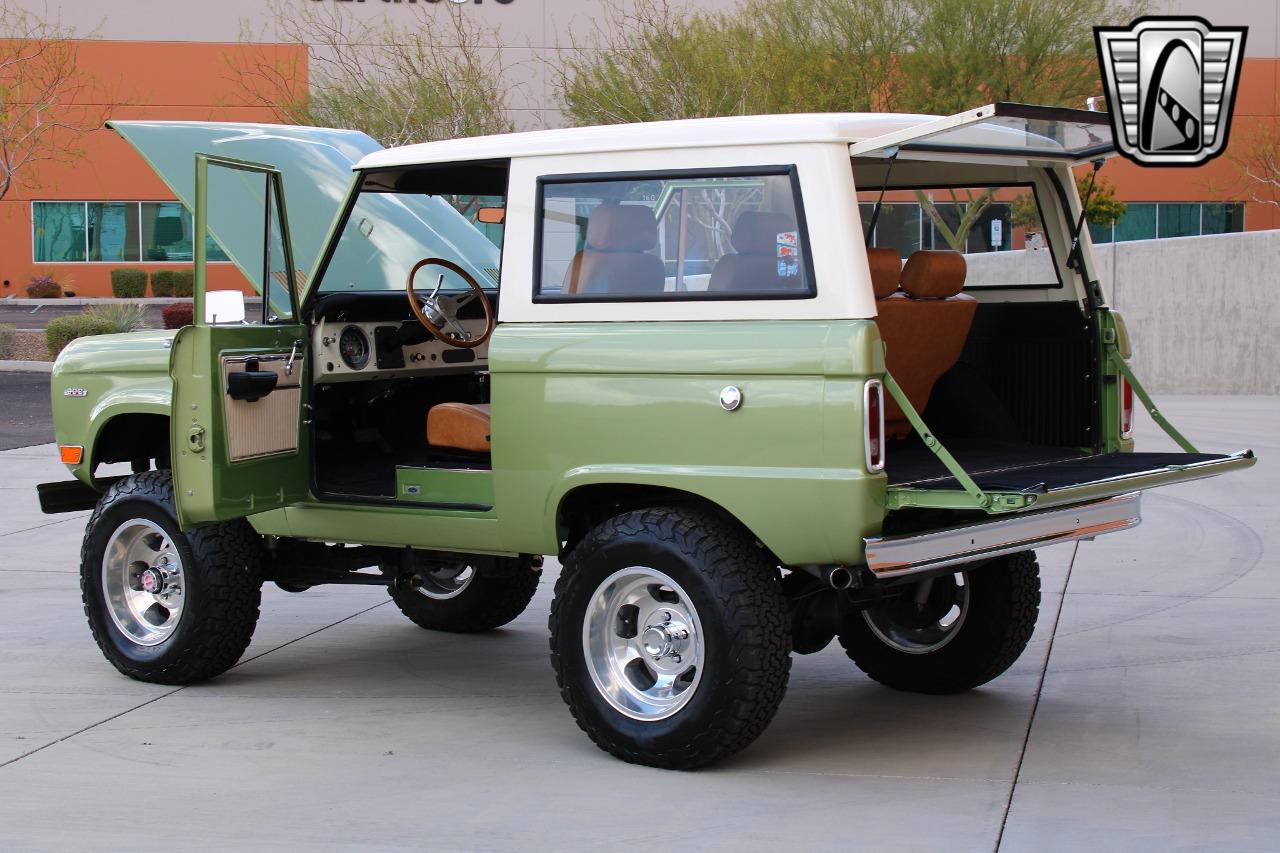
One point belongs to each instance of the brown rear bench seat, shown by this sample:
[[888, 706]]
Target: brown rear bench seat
[[924, 326]]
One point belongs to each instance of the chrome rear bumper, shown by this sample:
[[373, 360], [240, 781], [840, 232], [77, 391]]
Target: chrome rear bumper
[[895, 556]]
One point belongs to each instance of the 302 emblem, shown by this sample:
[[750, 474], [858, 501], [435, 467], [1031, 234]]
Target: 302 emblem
[[75, 392]]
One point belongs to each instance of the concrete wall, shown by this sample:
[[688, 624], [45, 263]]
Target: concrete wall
[[1203, 312]]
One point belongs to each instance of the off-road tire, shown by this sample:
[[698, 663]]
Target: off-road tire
[[488, 602], [222, 571], [737, 591], [1004, 603]]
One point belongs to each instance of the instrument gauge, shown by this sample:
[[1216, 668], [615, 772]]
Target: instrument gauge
[[353, 346]]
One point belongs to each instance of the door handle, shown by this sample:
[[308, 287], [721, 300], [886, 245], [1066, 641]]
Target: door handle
[[250, 386]]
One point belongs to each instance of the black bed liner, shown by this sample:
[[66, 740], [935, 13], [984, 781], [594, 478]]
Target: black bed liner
[[997, 467]]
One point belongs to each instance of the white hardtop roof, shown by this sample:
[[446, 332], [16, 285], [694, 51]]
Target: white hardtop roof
[[845, 128]]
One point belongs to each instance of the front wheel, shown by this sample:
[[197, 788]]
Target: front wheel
[[670, 638], [166, 606], [949, 633]]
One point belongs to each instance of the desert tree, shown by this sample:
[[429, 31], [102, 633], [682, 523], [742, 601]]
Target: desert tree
[[47, 102], [647, 60], [438, 77]]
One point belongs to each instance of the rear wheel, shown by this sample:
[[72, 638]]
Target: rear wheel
[[949, 633], [166, 606], [470, 597], [670, 637]]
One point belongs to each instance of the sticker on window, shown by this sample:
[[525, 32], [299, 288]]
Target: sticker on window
[[788, 251]]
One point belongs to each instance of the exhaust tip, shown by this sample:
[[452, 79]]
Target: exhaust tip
[[839, 577]]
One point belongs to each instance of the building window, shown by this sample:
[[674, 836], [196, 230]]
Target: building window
[[114, 232], [58, 232], [1148, 221]]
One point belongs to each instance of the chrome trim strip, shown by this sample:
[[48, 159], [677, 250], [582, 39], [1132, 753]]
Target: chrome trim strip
[[896, 556]]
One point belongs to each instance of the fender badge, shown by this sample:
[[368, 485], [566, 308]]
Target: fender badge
[[75, 392]]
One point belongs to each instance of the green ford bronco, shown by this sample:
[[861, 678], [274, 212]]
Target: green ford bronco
[[758, 383]]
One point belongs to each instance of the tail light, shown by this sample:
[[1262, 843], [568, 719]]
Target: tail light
[[1126, 408], [873, 424]]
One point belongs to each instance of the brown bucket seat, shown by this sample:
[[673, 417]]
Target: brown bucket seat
[[616, 257], [459, 426], [753, 265], [924, 328]]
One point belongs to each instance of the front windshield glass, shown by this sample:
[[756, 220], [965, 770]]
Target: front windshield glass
[[387, 233]]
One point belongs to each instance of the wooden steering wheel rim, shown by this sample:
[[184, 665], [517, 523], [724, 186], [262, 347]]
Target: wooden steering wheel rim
[[439, 333]]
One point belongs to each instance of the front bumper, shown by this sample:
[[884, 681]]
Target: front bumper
[[897, 556]]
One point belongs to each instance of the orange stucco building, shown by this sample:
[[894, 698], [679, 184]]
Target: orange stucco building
[[127, 211]]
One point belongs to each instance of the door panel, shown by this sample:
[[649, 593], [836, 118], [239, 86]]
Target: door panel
[[268, 425], [235, 457]]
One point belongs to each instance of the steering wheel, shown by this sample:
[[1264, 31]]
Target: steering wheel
[[439, 312]]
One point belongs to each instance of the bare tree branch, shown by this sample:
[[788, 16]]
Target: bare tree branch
[[46, 102], [437, 78]]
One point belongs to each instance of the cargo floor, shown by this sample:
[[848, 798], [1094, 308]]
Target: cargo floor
[[1016, 467]]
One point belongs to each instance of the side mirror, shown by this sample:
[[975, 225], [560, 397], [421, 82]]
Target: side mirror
[[491, 215], [223, 307]]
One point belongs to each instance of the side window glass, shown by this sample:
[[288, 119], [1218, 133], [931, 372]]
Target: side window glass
[[673, 237], [279, 293], [245, 207]]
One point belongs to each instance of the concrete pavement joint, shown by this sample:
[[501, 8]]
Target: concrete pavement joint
[[155, 699], [1035, 705]]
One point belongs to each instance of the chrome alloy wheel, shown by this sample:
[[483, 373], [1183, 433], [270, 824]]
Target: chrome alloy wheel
[[142, 582], [643, 643], [925, 618], [446, 581]]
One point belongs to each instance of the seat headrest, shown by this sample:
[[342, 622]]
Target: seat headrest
[[886, 270], [756, 232], [622, 228], [933, 275]]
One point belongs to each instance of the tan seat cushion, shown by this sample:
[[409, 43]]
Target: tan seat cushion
[[886, 270], [616, 258], [459, 426], [924, 329]]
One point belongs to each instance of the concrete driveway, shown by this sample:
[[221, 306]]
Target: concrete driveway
[[1145, 715]]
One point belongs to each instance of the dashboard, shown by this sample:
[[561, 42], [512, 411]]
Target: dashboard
[[352, 343]]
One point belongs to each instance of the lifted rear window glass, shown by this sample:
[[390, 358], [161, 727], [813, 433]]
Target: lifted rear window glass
[[997, 227], [672, 236]]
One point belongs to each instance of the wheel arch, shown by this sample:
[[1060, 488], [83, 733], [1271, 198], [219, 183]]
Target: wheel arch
[[584, 506], [126, 434]]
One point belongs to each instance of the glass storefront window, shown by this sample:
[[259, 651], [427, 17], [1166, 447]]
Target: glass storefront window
[[1138, 223], [58, 231], [113, 231], [166, 234], [1179, 220], [1099, 233], [1222, 218]]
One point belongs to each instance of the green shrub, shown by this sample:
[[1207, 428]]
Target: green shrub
[[44, 287], [128, 283], [162, 283], [7, 335], [184, 283], [120, 316], [63, 330]]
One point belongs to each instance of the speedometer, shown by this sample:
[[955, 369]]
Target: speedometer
[[353, 346]]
